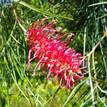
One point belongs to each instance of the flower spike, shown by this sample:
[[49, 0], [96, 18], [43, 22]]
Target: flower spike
[[46, 46]]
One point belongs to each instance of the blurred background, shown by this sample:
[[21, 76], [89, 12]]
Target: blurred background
[[87, 19]]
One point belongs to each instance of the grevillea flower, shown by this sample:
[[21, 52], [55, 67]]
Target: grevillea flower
[[52, 53]]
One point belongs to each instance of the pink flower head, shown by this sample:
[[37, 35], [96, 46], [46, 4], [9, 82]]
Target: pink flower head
[[46, 45]]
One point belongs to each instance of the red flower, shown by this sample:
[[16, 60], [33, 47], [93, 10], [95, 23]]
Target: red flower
[[45, 45]]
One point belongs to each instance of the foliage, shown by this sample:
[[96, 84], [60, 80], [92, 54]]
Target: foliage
[[87, 19]]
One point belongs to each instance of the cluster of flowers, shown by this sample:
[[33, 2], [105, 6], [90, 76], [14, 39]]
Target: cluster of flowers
[[46, 46]]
